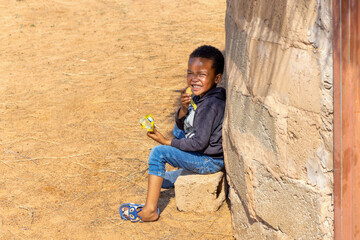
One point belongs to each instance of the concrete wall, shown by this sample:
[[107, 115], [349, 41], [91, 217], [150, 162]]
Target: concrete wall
[[278, 131]]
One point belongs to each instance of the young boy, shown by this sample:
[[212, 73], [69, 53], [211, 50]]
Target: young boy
[[197, 146]]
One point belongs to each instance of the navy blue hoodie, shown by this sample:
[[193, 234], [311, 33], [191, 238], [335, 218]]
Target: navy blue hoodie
[[209, 116]]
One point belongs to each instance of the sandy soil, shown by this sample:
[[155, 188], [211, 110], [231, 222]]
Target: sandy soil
[[75, 77]]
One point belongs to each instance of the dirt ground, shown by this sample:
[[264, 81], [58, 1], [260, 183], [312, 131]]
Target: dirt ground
[[75, 77]]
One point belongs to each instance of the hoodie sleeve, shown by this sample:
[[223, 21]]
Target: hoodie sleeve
[[203, 125], [179, 122]]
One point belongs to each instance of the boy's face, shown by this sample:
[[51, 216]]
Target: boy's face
[[201, 76]]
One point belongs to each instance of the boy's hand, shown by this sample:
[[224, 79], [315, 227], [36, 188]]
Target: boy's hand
[[157, 136], [185, 101]]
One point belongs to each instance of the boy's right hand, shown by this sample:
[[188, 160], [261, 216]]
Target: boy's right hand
[[185, 101]]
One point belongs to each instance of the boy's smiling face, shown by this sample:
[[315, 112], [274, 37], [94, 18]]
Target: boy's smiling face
[[201, 75]]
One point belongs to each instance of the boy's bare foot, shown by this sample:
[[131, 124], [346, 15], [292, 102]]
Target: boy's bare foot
[[148, 215]]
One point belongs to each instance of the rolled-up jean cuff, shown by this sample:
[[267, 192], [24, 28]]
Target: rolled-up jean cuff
[[159, 174]]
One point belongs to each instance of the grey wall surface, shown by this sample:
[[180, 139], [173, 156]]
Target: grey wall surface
[[278, 131]]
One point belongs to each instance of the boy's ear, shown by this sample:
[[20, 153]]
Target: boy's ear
[[218, 78]]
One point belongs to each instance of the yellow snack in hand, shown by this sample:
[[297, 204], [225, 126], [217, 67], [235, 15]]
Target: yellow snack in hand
[[188, 90]]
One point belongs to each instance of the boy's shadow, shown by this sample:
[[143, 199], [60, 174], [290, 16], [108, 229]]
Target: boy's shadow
[[164, 199]]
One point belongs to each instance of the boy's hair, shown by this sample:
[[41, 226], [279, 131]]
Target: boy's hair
[[212, 53]]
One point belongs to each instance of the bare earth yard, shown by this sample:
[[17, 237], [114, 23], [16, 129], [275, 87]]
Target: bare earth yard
[[75, 77]]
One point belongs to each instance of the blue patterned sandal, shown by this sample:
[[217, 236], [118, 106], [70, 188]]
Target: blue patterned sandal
[[132, 212]]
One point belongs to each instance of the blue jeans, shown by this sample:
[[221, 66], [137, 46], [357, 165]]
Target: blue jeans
[[191, 161]]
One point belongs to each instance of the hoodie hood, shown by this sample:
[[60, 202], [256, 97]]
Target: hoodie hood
[[217, 92]]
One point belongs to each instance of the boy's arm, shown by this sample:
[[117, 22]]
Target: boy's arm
[[157, 136], [183, 111], [185, 101]]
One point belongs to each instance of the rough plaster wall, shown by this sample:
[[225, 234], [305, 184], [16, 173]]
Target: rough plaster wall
[[278, 123]]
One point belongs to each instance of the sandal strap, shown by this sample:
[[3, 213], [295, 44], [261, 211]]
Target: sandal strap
[[133, 213]]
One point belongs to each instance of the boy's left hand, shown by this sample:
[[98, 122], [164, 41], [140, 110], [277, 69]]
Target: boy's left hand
[[157, 136]]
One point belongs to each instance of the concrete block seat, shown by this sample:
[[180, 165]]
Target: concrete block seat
[[200, 193]]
